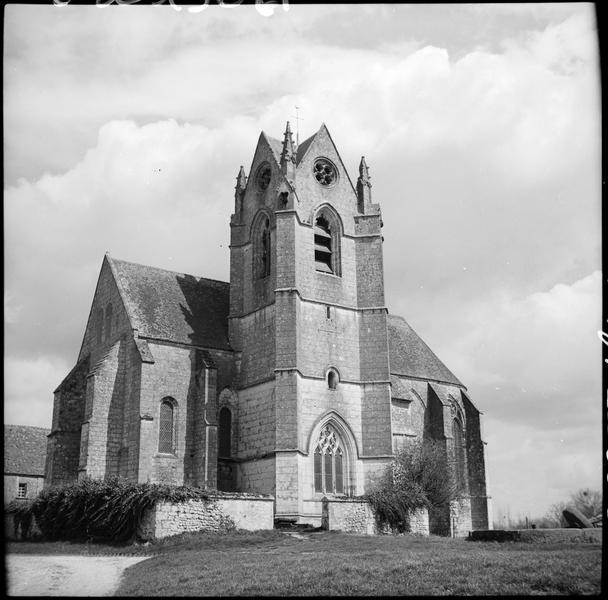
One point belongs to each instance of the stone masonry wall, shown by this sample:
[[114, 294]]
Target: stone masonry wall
[[167, 518], [353, 515], [63, 446]]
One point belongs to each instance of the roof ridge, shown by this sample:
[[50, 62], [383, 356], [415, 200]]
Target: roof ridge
[[28, 426], [129, 262]]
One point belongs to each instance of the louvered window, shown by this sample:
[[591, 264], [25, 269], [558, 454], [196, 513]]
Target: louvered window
[[166, 428], [329, 463], [323, 246]]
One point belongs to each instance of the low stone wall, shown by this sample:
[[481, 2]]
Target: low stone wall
[[348, 514], [538, 536], [172, 518], [354, 515]]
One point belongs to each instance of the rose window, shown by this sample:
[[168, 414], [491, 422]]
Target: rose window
[[324, 171]]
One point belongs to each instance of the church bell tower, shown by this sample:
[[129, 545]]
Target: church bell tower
[[308, 326]]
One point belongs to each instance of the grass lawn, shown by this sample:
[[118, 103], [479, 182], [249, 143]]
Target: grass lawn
[[275, 563]]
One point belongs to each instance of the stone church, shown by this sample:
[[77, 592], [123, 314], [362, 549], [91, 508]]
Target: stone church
[[292, 379]]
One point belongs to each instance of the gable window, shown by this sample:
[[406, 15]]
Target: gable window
[[329, 462], [166, 427], [325, 172], [22, 490], [263, 176], [225, 433]]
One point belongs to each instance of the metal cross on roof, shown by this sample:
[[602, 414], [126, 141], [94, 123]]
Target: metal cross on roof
[[297, 118]]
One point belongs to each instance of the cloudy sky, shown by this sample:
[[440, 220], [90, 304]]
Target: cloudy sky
[[125, 126]]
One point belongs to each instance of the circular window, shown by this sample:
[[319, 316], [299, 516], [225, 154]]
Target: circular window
[[325, 172], [263, 177]]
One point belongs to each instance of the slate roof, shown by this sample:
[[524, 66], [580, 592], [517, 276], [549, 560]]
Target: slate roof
[[301, 151], [410, 356], [173, 306], [276, 147], [24, 449]]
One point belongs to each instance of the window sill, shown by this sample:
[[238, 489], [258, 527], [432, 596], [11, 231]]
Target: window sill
[[165, 455], [328, 274]]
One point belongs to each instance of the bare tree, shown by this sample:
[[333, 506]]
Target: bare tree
[[589, 502]]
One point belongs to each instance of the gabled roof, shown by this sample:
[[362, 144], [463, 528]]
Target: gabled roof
[[303, 147], [24, 449], [276, 146], [175, 307], [411, 357]]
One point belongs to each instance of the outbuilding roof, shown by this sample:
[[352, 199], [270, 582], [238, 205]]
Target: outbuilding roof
[[24, 450], [411, 357], [172, 306]]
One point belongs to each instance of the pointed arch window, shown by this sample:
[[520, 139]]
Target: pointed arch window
[[265, 266], [225, 432], [262, 246], [327, 241], [166, 427], [329, 462], [459, 450], [323, 246]]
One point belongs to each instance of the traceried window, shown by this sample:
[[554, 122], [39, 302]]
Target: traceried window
[[263, 177], [166, 427], [329, 462], [224, 434], [324, 171], [459, 451], [22, 490]]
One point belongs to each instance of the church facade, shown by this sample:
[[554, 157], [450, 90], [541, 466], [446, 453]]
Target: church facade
[[291, 380]]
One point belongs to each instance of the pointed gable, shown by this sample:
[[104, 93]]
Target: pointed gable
[[411, 357], [174, 307], [324, 144], [275, 145]]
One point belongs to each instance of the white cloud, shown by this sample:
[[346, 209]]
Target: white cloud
[[484, 157], [29, 385]]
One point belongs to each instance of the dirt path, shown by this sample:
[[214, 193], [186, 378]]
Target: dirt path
[[31, 575]]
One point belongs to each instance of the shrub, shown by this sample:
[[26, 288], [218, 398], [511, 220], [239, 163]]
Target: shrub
[[418, 477], [22, 517], [102, 510]]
